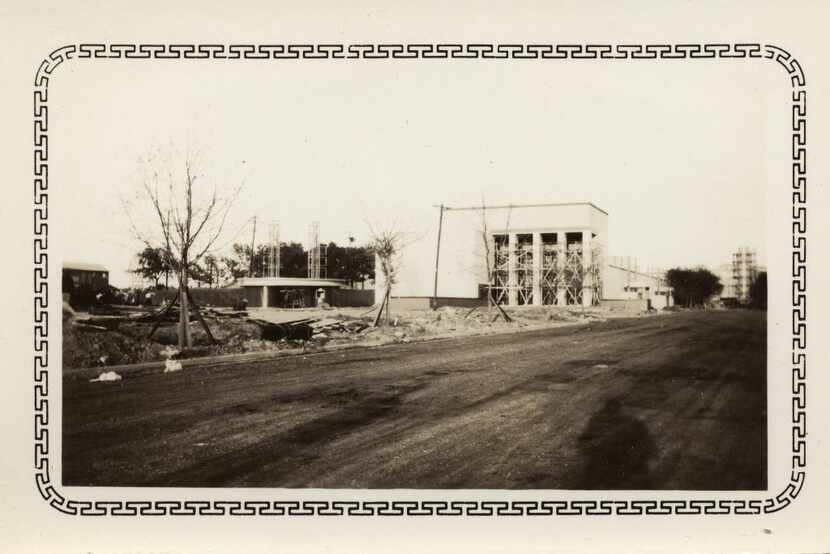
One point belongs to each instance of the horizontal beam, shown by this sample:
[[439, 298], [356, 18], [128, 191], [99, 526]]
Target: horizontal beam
[[506, 206]]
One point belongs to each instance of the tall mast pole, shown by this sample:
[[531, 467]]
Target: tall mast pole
[[437, 254], [253, 242]]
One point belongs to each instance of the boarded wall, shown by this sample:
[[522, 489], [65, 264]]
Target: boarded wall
[[352, 297], [427, 302], [457, 302], [629, 305], [254, 296], [228, 297]]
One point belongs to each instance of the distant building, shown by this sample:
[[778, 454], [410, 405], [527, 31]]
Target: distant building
[[744, 272], [547, 254], [291, 292], [738, 276], [724, 274], [624, 281], [84, 284], [529, 254], [92, 277]]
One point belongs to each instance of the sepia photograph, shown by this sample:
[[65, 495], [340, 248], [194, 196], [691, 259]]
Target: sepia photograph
[[471, 277], [443, 274]]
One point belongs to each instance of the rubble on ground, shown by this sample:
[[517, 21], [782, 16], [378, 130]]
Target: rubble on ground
[[121, 337], [172, 365], [338, 325], [106, 376]]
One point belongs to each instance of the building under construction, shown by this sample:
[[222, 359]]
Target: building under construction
[[520, 255], [738, 276], [270, 289], [744, 272]]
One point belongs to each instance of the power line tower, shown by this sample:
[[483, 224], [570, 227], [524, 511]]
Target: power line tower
[[273, 269], [317, 253]]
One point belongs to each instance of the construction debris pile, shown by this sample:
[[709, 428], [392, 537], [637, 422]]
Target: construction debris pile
[[410, 326], [325, 328], [130, 335]]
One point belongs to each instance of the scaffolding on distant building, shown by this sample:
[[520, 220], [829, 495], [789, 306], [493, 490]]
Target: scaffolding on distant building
[[550, 276], [273, 255], [317, 253], [501, 269], [594, 274], [524, 269], [744, 272], [560, 276]]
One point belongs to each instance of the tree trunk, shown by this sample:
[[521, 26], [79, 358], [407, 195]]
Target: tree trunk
[[380, 311], [185, 341], [388, 291]]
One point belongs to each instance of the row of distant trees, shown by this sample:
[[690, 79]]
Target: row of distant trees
[[695, 287], [758, 291], [355, 264]]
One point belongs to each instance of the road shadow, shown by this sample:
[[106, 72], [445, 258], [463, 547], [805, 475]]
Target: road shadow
[[615, 449], [273, 460]]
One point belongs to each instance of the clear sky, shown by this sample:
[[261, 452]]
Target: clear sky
[[676, 153]]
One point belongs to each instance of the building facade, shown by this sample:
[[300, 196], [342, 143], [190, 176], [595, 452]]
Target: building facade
[[625, 283], [84, 276], [724, 272], [84, 284], [738, 275], [532, 254], [744, 272], [289, 292], [520, 255]]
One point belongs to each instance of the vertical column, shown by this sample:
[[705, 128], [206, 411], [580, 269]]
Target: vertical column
[[512, 295], [562, 251], [264, 296], [537, 269], [587, 280]]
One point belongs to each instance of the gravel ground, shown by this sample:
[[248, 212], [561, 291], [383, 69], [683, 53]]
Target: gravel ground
[[670, 402]]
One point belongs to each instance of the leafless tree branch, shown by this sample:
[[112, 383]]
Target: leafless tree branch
[[188, 230]]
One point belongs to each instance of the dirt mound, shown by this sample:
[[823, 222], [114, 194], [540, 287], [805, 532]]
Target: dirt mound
[[85, 349]]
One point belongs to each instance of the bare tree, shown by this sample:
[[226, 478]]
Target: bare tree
[[386, 244], [189, 217], [489, 259]]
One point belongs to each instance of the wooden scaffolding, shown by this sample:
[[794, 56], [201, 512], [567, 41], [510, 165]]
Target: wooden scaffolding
[[562, 275]]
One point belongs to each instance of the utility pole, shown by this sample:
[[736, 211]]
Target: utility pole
[[350, 261], [437, 255]]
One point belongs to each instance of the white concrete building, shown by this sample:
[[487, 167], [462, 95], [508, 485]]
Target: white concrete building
[[529, 254], [738, 275], [624, 282], [535, 254], [744, 271], [288, 292], [725, 275]]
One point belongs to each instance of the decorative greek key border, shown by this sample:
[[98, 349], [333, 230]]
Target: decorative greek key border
[[52, 495]]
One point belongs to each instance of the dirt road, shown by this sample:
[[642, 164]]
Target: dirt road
[[675, 401]]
